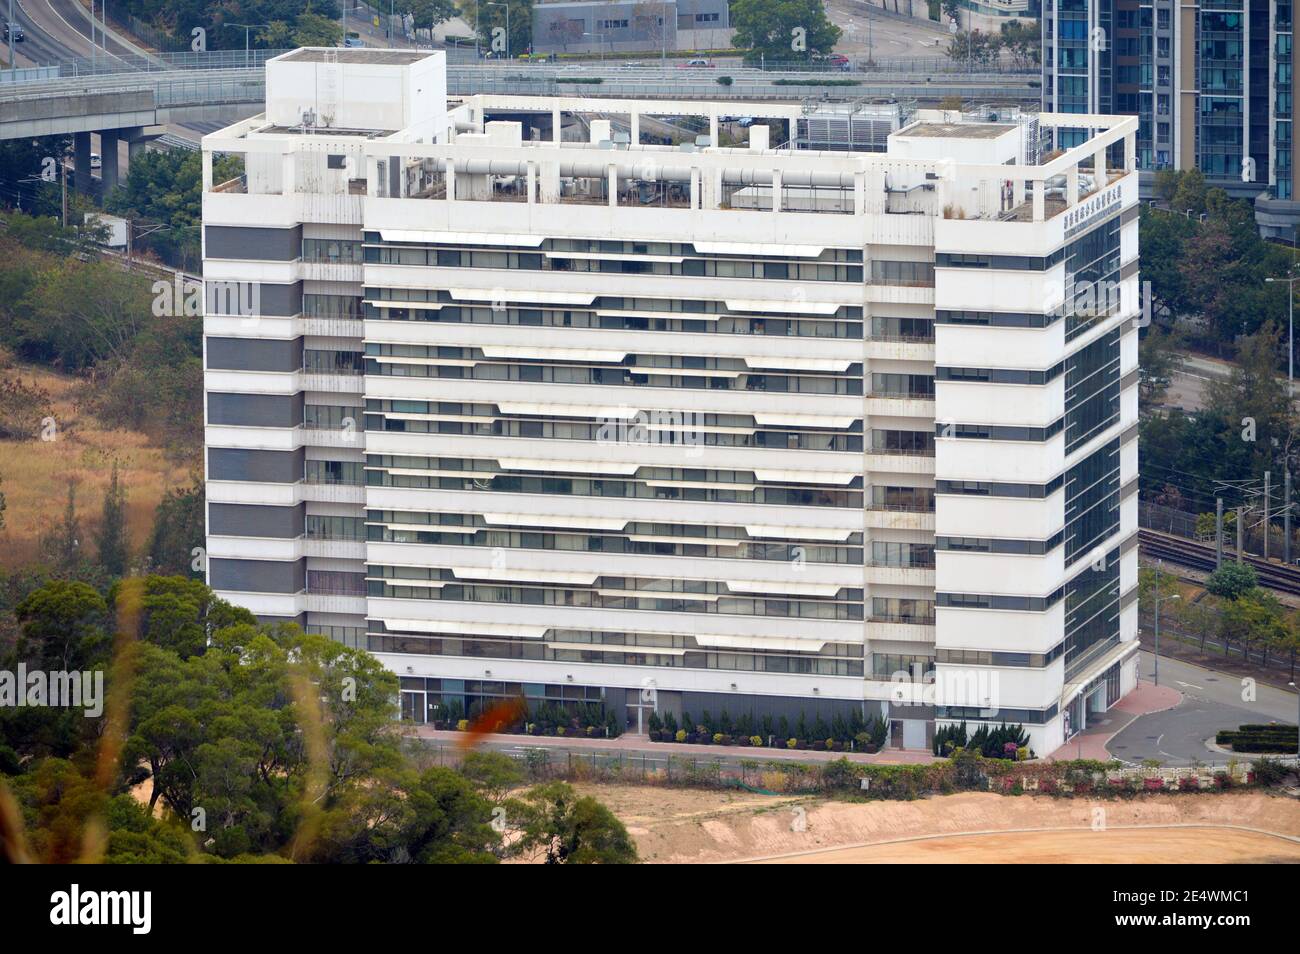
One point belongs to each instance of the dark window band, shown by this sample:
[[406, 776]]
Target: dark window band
[[999, 375], [993, 545], [984, 488], [998, 432]]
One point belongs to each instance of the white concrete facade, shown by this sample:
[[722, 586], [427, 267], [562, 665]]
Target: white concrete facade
[[721, 427]]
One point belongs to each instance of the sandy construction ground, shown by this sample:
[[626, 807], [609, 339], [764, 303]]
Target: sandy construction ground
[[689, 826]]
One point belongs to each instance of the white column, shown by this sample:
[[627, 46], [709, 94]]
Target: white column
[[556, 131], [207, 171], [776, 190], [612, 178], [634, 120], [1040, 203], [530, 183], [1072, 186], [451, 179]]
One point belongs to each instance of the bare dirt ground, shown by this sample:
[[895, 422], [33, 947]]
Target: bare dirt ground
[[675, 826]]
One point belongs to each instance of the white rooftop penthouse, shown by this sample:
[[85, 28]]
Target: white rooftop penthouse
[[381, 116]]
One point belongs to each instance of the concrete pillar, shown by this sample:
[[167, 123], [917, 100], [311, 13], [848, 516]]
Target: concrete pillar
[[530, 183], [695, 187], [549, 183], [713, 127], [634, 120], [611, 176], [1130, 152], [288, 184], [776, 190], [207, 170], [451, 180], [108, 140], [81, 180], [557, 131], [1040, 199], [859, 193], [1072, 186]]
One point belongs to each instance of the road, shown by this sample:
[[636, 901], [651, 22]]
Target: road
[[1187, 388], [868, 30], [1211, 701]]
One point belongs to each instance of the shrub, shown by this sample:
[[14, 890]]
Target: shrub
[[462, 725], [681, 735], [756, 740], [717, 738], [724, 81], [791, 743]]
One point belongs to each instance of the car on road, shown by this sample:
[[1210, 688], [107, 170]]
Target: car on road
[[696, 65], [95, 161], [353, 40], [17, 31]]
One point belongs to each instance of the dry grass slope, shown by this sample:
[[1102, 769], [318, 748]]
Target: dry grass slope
[[36, 473]]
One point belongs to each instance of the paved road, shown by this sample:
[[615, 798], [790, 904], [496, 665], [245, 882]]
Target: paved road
[[1211, 701], [869, 30]]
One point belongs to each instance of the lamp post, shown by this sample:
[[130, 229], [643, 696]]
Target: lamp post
[[1290, 326], [1297, 718], [507, 9], [601, 45], [1155, 673], [248, 27]]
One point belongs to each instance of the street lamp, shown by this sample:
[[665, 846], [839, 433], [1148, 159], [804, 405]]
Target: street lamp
[[1297, 718], [248, 27], [507, 9], [1290, 325], [600, 46], [1155, 674]]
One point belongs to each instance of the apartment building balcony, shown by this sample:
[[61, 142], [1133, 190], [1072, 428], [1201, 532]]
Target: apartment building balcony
[[338, 548], [335, 381], [320, 491], [901, 403], [903, 629], [342, 603], [894, 348], [332, 327], [884, 575], [898, 520], [311, 436]]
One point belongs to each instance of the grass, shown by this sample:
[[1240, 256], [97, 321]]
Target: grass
[[36, 473]]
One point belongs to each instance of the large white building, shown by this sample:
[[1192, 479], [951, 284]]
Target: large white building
[[525, 408]]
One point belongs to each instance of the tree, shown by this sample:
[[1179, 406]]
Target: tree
[[111, 535], [64, 545], [565, 828], [1159, 359], [1023, 40], [64, 626], [494, 774], [766, 29], [178, 530], [1254, 618], [312, 29], [1232, 580], [493, 18], [974, 48]]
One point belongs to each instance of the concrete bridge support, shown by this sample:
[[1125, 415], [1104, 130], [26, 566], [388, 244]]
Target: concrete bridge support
[[81, 179]]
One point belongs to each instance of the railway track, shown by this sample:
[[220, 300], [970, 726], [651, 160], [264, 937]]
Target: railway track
[[1200, 556]]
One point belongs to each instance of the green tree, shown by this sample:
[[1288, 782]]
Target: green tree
[[766, 29], [110, 538], [178, 529], [312, 29], [1159, 359], [1232, 580], [494, 774], [564, 828], [490, 18]]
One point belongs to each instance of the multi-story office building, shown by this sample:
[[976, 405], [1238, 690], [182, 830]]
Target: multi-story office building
[[1211, 83], [620, 26], [770, 431]]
